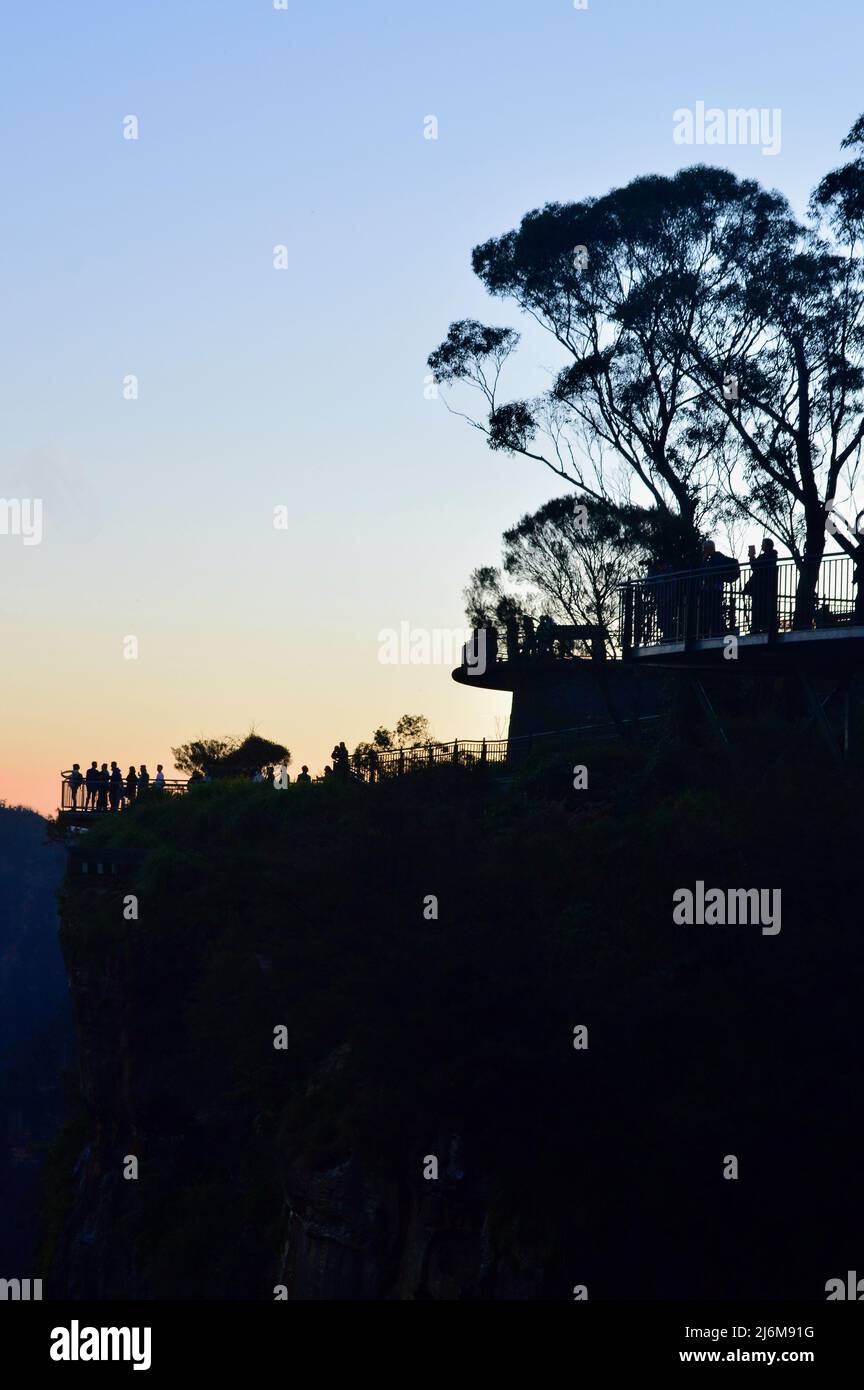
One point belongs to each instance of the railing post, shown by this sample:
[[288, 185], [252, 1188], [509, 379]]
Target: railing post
[[401, 761], [455, 750], [627, 635], [690, 601], [483, 751]]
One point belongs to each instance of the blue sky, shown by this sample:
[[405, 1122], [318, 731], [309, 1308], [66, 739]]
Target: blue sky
[[304, 387]]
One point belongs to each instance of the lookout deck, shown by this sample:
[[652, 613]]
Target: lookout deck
[[781, 619]]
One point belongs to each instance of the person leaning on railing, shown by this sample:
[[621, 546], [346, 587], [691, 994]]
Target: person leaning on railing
[[75, 781]]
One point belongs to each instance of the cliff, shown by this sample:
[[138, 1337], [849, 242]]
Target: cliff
[[36, 1035], [412, 1034]]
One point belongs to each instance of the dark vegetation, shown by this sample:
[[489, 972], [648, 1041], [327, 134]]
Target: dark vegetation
[[229, 756], [601, 1167]]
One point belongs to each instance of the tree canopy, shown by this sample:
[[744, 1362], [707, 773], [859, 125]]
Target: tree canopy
[[412, 731], [567, 559], [229, 756], [710, 352]]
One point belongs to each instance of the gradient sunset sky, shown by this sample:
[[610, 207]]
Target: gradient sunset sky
[[302, 387]]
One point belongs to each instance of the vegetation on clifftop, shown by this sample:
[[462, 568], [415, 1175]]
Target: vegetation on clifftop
[[407, 1034]]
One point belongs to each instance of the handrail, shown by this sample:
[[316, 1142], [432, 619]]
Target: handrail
[[80, 803], [460, 751], [745, 564], [755, 598], [471, 752]]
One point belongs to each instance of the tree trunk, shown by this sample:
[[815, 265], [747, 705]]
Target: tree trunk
[[808, 579]]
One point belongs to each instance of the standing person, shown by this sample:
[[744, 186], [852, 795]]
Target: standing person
[[103, 788], [91, 784], [545, 631], [344, 766], [762, 587], [143, 781], [131, 786], [722, 569], [115, 787], [75, 781], [303, 775], [159, 779]]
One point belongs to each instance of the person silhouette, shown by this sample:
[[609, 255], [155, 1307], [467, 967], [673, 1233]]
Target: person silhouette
[[115, 787], [762, 587], [75, 780], [722, 569], [91, 785], [159, 779], [131, 786], [102, 788], [143, 781], [303, 775], [545, 632]]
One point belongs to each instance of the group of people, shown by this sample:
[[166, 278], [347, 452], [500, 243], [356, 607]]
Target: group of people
[[715, 618], [341, 760], [663, 601], [106, 789], [277, 776], [524, 639]]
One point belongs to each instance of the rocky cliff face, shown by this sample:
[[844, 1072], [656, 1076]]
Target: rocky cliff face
[[301, 1081], [246, 1187], [36, 1038], [304, 1220]]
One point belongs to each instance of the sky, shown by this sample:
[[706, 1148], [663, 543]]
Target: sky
[[302, 385]]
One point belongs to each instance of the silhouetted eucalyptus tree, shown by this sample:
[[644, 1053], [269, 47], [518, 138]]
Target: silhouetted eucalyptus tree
[[712, 343], [605, 277], [775, 344]]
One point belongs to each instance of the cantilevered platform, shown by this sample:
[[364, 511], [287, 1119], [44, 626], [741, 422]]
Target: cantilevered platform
[[833, 653], [767, 619]]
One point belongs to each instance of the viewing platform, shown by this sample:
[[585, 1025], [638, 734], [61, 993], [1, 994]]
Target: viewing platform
[[781, 619], [76, 809]]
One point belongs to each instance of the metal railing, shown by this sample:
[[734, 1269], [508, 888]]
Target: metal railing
[[692, 605], [395, 762], [541, 642], [100, 802]]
